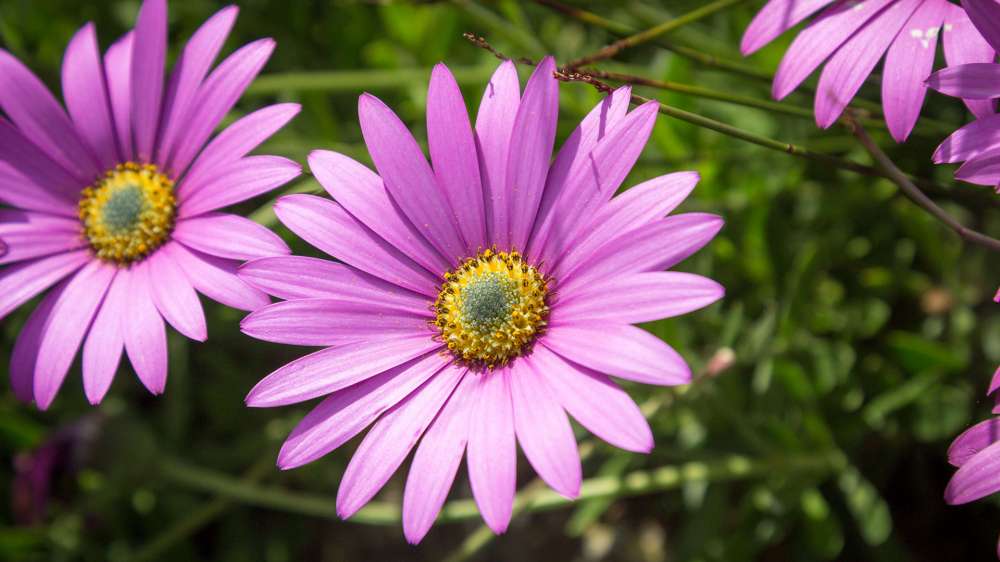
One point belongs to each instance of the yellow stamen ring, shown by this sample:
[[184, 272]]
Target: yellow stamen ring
[[128, 213], [491, 308]]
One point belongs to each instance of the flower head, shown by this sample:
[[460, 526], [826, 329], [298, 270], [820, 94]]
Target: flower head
[[978, 143], [479, 300], [852, 36], [113, 200]]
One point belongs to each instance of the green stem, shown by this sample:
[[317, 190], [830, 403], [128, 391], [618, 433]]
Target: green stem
[[357, 80], [381, 513]]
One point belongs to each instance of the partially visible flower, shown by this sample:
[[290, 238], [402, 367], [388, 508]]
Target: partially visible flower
[[115, 203], [479, 301], [978, 143], [976, 453], [851, 37]]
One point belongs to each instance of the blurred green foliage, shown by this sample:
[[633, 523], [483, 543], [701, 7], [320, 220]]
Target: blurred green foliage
[[855, 327]]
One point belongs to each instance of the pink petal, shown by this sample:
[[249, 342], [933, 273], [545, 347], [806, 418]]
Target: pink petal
[[28, 159], [326, 225], [974, 81], [145, 334], [821, 38], [175, 298], [235, 142], [390, 441], [775, 18], [595, 401], [102, 350], [216, 278], [20, 191], [848, 68], [215, 98], [149, 51], [624, 351], [636, 298], [25, 353], [408, 177], [86, 95], [118, 73], [454, 156], [494, 124], [492, 451], [980, 136], [298, 277], [362, 193], [238, 181], [229, 236], [985, 15], [436, 461], [67, 324], [329, 321], [344, 414], [974, 440], [977, 478], [543, 429], [188, 74], [962, 45], [531, 143], [22, 281], [983, 169], [336, 368], [29, 235], [908, 62]]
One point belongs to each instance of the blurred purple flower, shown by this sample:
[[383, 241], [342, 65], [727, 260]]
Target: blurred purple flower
[[115, 203], [978, 143], [479, 301], [851, 36]]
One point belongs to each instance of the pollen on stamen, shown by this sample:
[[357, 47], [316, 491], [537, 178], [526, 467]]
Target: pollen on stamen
[[128, 213], [491, 308]]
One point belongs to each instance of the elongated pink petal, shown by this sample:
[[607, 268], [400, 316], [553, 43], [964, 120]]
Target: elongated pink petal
[[86, 95], [330, 321], [848, 68], [235, 142], [436, 462], [494, 123], [68, 322], [977, 478], [982, 135], [985, 15], [820, 39], [229, 236], [974, 81], [974, 440], [408, 177], [25, 353], [453, 154], [188, 74], [492, 451], [775, 18], [149, 51], [344, 414], [29, 235], [175, 298], [20, 191], [239, 181], [216, 278], [595, 401], [982, 169], [118, 73], [636, 298], [298, 277], [326, 225], [144, 331], [102, 351], [23, 155], [390, 441], [215, 98], [362, 193], [963, 44], [543, 429], [623, 351], [336, 368], [908, 62], [531, 143], [22, 281]]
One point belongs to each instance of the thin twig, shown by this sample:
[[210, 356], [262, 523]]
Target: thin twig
[[914, 193], [654, 32]]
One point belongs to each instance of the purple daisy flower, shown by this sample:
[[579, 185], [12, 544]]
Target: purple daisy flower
[[978, 143], [976, 454], [851, 36], [481, 300], [115, 203]]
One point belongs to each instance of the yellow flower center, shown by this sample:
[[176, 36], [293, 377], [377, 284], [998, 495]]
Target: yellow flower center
[[491, 308], [128, 213]]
